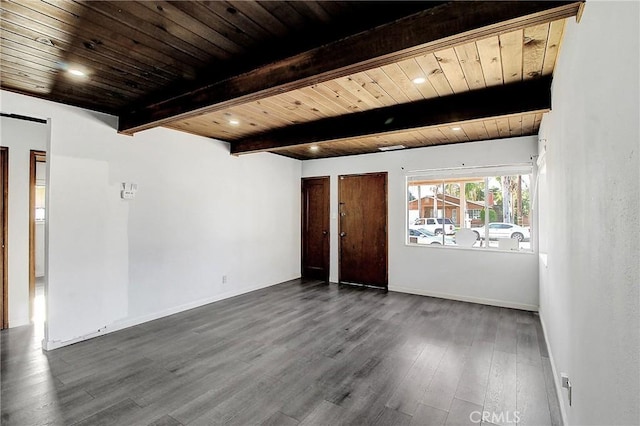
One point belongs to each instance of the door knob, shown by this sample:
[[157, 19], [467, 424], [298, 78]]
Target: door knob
[[324, 232], [342, 234]]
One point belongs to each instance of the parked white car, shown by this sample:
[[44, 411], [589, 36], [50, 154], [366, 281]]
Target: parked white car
[[424, 236], [434, 225], [504, 230]]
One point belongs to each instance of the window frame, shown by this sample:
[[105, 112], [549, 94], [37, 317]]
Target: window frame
[[486, 172]]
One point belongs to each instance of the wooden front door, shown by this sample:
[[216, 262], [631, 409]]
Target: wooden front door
[[363, 229], [3, 237], [315, 228]]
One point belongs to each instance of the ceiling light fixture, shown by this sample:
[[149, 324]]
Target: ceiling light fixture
[[234, 122], [314, 148], [76, 72], [391, 148], [419, 80], [45, 40], [456, 129]]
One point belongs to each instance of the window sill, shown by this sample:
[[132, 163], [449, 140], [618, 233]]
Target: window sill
[[476, 249]]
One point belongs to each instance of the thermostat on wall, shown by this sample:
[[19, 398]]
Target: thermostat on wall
[[128, 190]]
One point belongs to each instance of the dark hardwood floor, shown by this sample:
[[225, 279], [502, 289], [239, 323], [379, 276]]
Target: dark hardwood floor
[[295, 353]]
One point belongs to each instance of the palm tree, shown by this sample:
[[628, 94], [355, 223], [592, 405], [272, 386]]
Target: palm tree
[[474, 191], [452, 189]]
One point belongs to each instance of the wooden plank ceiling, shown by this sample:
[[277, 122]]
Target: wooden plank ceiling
[[303, 79]]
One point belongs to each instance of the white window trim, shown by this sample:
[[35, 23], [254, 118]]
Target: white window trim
[[527, 168], [481, 171]]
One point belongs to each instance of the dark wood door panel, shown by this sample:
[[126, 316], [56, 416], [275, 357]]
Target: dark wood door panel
[[363, 229], [315, 228]]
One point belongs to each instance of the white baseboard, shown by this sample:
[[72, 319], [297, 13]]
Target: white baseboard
[[130, 322], [482, 301], [556, 382]]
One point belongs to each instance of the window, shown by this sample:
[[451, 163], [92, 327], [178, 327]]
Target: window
[[473, 214], [40, 198], [496, 198]]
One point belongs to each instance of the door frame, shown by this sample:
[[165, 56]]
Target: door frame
[[36, 157], [386, 218], [4, 163], [327, 240]]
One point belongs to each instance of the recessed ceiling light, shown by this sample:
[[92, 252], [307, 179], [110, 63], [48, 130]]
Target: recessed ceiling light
[[419, 80], [234, 122], [314, 148], [456, 129], [76, 72]]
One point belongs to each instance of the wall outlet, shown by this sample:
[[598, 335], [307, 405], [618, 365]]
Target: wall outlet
[[566, 383], [565, 380], [224, 279]]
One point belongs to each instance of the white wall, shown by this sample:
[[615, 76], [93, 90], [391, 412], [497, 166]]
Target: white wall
[[589, 297], [503, 279], [20, 137], [199, 213]]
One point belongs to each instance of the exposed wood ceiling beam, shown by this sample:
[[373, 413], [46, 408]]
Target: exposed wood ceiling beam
[[440, 27], [531, 95]]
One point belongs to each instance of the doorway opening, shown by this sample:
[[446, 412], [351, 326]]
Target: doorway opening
[[315, 228], [37, 215], [4, 187]]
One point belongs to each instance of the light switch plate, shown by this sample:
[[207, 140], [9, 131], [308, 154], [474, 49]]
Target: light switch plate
[[128, 190], [127, 195]]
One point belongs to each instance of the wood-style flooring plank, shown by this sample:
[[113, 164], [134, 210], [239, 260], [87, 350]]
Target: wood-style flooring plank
[[501, 389], [488, 323], [443, 386], [390, 417], [410, 392], [305, 402], [531, 399], [219, 392], [297, 352], [552, 396], [280, 419], [472, 386], [165, 420], [426, 415], [110, 415], [463, 413], [507, 333], [325, 413], [246, 402], [528, 350]]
